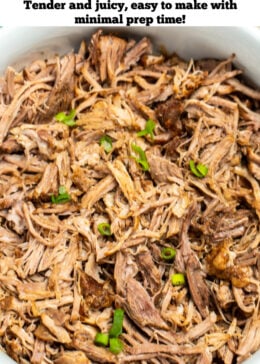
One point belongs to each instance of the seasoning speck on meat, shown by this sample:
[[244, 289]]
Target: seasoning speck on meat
[[110, 157]]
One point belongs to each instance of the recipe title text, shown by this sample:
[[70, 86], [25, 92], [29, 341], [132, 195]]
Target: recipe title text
[[129, 13]]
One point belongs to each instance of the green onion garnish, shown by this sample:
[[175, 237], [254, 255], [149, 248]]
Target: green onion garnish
[[202, 169], [104, 229], [142, 160], [67, 119], [62, 197], [111, 339], [168, 253], [101, 339], [115, 345], [117, 325], [148, 130], [178, 279], [199, 170], [106, 143]]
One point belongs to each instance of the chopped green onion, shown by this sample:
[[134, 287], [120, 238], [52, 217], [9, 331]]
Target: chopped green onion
[[67, 119], [117, 325], [178, 279], [104, 229], [101, 339], [106, 143], [168, 253], [149, 128], [202, 169], [62, 197], [142, 160], [111, 339], [115, 345], [199, 170]]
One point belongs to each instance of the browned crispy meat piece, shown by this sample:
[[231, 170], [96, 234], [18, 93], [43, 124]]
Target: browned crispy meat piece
[[62, 92], [95, 295], [169, 113]]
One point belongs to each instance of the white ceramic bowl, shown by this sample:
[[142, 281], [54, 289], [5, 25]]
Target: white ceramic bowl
[[20, 45]]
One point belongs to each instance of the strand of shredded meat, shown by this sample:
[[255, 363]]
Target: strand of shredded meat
[[60, 279]]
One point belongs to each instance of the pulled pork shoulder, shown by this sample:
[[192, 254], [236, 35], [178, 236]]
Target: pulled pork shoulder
[[60, 277]]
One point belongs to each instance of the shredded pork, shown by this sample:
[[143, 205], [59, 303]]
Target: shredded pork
[[60, 279]]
